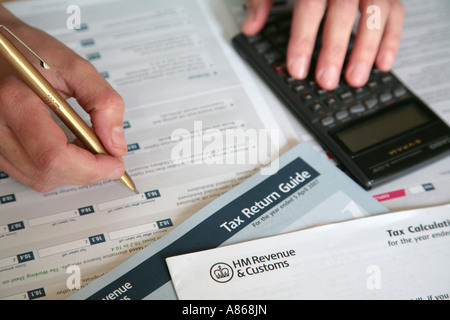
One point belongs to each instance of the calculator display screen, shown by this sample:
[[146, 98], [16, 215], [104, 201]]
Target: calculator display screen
[[382, 127]]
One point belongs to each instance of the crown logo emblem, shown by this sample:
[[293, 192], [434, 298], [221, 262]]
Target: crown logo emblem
[[221, 272]]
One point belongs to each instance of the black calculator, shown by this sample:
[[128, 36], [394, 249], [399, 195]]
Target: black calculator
[[376, 133]]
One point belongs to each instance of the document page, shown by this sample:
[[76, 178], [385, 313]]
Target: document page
[[183, 88], [306, 191], [423, 63], [404, 255]]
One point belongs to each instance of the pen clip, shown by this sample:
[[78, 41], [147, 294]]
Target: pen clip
[[43, 63]]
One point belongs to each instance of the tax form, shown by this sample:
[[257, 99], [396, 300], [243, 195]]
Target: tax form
[[176, 73], [403, 255]]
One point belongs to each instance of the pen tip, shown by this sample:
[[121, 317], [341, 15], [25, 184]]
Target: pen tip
[[135, 191]]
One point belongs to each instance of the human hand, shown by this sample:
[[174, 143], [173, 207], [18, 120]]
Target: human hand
[[34, 149], [377, 45]]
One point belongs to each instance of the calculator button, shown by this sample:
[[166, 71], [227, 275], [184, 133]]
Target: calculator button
[[321, 91], [328, 121], [312, 84], [262, 46], [279, 40], [372, 85], [291, 80], [346, 95], [300, 88], [255, 38], [308, 98], [359, 93], [359, 108], [399, 92], [280, 68], [272, 56], [387, 79], [331, 102], [371, 103], [385, 97], [316, 107], [341, 115]]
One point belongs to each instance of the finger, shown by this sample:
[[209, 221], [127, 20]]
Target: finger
[[335, 38], [13, 158], [14, 172], [391, 40], [257, 13], [50, 161], [305, 24], [104, 105], [370, 31]]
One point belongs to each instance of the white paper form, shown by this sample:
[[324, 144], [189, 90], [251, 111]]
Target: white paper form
[[173, 69], [307, 191], [423, 63], [404, 255]]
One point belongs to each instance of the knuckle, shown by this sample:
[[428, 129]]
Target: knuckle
[[93, 177], [347, 4], [398, 6], [42, 186], [8, 91], [314, 6], [114, 100], [110, 100], [80, 64], [334, 50], [49, 163], [368, 48], [303, 43]]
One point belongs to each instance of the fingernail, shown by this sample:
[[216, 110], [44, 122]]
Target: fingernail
[[299, 68], [116, 174], [359, 74], [118, 138], [387, 61], [329, 78]]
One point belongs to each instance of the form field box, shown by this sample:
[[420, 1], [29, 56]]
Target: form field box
[[129, 200], [61, 216], [20, 258], [53, 218], [132, 231], [119, 234], [120, 202], [72, 245]]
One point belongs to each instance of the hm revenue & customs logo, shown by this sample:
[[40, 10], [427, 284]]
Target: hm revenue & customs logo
[[221, 272]]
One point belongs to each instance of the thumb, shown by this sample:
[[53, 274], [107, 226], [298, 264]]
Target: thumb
[[104, 105]]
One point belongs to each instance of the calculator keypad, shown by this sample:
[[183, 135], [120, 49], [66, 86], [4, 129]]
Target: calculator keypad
[[326, 108]]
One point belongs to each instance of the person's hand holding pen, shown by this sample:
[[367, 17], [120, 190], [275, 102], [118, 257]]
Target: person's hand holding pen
[[377, 45], [33, 148]]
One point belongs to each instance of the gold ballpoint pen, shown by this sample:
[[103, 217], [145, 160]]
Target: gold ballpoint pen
[[36, 81]]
